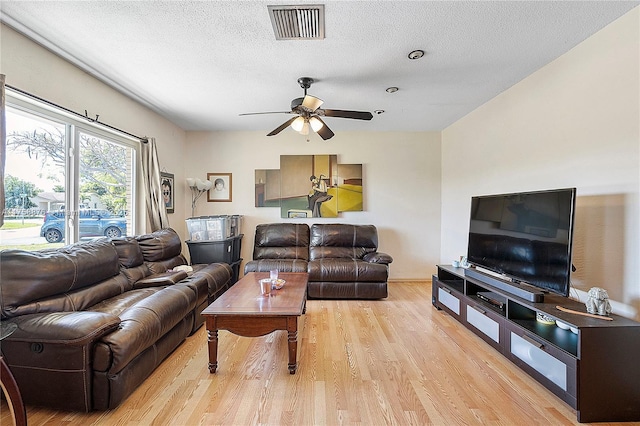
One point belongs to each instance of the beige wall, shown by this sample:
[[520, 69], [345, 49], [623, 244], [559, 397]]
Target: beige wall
[[33, 69], [401, 170], [401, 185], [573, 123]]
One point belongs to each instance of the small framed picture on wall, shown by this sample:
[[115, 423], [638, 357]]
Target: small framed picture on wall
[[167, 186], [221, 189]]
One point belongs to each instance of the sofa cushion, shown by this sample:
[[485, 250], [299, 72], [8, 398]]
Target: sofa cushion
[[217, 275], [347, 270], [66, 328], [339, 290], [342, 240], [282, 265], [145, 315], [281, 241], [29, 276], [160, 266], [110, 390], [159, 245], [78, 300], [161, 279], [136, 273], [323, 252], [129, 253]]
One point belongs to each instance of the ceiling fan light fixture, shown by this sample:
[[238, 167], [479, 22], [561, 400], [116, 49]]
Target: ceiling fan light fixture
[[305, 128], [307, 114], [298, 124], [311, 102], [315, 124]]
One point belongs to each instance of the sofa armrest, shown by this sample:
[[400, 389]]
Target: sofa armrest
[[378, 257], [69, 328], [163, 278]]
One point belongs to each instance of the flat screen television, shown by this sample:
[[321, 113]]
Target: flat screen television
[[525, 237]]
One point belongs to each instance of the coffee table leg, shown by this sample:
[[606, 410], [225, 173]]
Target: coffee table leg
[[292, 330], [212, 339]]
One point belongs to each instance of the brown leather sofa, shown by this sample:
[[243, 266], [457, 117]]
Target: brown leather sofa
[[95, 319], [342, 260]]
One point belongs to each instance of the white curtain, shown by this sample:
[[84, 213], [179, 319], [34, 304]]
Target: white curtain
[[156, 212], [3, 146]]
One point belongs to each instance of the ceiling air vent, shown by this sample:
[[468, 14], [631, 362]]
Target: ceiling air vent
[[301, 22]]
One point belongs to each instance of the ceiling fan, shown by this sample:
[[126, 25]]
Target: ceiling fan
[[308, 112]]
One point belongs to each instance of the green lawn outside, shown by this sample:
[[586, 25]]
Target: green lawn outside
[[13, 224], [32, 247], [18, 225]]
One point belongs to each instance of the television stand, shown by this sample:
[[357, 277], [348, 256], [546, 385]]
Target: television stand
[[524, 291], [590, 364]]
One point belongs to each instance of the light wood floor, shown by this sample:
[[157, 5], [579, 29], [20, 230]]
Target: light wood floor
[[397, 361]]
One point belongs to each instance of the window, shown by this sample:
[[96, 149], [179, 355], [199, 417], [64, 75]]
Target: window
[[66, 179]]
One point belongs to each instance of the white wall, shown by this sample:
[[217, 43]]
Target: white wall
[[573, 123], [401, 185], [401, 170], [583, 107], [33, 69]]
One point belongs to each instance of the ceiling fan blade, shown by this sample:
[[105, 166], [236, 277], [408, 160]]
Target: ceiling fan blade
[[324, 132], [282, 127], [271, 112], [311, 102], [358, 115]]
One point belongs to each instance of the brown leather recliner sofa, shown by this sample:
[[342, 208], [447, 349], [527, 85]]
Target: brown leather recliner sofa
[[95, 319], [342, 260]]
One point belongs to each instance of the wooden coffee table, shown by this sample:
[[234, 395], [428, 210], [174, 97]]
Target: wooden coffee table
[[242, 310]]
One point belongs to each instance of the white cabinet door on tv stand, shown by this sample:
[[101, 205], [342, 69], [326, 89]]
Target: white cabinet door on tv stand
[[552, 367], [485, 323]]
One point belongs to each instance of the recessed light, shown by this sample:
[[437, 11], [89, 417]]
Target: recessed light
[[378, 111], [416, 54], [391, 89]]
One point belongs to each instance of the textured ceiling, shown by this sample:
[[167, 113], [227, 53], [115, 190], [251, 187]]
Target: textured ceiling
[[202, 63]]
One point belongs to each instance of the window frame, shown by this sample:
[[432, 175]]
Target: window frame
[[74, 127]]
